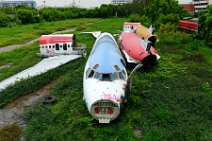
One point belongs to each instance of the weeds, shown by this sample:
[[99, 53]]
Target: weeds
[[10, 133]]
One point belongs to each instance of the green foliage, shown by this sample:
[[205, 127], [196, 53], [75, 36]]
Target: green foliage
[[168, 19], [7, 9], [166, 28], [50, 14], [27, 15], [20, 34], [156, 8], [4, 19], [145, 21], [134, 18], [205, 28]]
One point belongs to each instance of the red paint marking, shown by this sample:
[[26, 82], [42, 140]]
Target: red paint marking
[[50, 51], [109, 96]]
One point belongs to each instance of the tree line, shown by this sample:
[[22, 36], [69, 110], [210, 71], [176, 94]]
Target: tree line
[[161, 13]]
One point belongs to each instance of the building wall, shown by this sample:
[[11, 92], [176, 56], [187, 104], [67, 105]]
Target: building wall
[[16, 3], [200, 5], [116, 2]]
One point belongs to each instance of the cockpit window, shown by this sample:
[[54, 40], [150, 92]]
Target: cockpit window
[[119, 74], [91, 74], [114, 76], [106, 77], [98, 76], [117, 67], [122, 75]]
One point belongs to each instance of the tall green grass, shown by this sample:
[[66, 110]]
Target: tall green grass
[[18, 34]]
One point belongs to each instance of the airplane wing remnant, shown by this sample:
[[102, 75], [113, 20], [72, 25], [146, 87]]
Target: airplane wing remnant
[[42, 67]]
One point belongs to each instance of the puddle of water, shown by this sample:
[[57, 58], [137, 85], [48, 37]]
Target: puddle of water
[[10, 114]]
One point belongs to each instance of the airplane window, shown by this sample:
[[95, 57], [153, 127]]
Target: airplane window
[[64, 46], [113, 76], [61, 46], [122, 75], [46, 46], [122, 61], [50, 46], [106, 77], [117, 67], [57, 47], [98, 76], [53, 46], [91, 74]]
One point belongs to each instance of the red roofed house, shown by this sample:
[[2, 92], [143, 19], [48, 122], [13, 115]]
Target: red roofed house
[[51, 45], [189, 7]]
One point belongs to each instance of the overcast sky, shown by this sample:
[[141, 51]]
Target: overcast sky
[[81, 3]]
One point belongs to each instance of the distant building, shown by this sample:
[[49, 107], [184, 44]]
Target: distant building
[[200, 5], [189, 7], [116, 2], [28, 3]]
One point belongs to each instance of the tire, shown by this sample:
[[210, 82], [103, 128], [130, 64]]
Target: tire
[[50, 99]]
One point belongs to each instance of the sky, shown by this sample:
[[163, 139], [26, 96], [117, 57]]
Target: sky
[[80, 3]]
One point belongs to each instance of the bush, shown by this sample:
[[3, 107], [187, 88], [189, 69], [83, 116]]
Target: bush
[[50, 14], [204, 26], [4, 19], [135, 18], [164, 19], [27, 16], [166, 28], [145, 21]]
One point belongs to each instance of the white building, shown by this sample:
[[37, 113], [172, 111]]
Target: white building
[[116, 2], [200, 5]]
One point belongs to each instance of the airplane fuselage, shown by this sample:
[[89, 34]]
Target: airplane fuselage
[[105, 79]]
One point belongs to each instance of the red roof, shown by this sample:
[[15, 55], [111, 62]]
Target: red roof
[[188, 7], [53, 39]]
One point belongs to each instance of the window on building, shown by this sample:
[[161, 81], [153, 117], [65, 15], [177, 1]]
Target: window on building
[[64, 46], [57, 47]]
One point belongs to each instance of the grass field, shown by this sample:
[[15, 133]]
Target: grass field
[[18, 34], [171, 101]]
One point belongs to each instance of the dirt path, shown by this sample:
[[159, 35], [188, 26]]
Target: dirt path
[[10, 114], [12, 47]]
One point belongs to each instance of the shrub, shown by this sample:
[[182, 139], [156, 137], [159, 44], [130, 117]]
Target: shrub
[[50, 14], [145, 21], [4, 19], [135, 18], [27, 16], [165, 28]]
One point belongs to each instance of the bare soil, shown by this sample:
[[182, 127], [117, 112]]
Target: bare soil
[[10, 114]]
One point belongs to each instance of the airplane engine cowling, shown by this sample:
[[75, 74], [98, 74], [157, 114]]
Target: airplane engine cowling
[[105, 110]]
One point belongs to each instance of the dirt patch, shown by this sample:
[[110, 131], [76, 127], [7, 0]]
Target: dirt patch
[[5, 66], [138, 132], [10, 114]]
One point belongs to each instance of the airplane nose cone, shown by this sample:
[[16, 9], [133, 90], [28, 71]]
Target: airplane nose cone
[[105, 110]]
